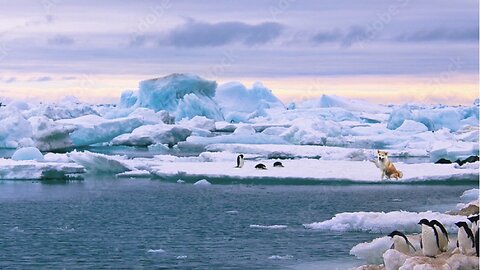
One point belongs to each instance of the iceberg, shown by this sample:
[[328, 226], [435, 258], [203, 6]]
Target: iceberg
[[99, 163], [93, 129], [183, 95]]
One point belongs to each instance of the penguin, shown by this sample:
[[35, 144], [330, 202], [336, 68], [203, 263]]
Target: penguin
[[277, 164], [476, 243], [465, 240], [474, 221], [400, 242], [240, 161], [260, 166], [442, 234], [429, 241]]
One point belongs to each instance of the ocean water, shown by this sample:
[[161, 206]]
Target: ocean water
[[112, 223]]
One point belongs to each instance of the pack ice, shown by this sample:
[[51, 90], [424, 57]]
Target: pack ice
[[185, 114]]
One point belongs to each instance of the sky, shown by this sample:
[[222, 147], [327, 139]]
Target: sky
[[386, 51]]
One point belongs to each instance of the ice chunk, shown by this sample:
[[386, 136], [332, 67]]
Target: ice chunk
[[192, 105], [412, 126], [151, 117], [471, 194], [256, 226], [27, 153], [128, 99], [398, 116], [92, 129], [153, 134], [49, 135], [372, 252], [14, 128], [199, 122], [33, 170], [244, 130], [238, 102], [329, 101], [453, 150], [202, 182], [381, 222], [99, 163], [184, 95]]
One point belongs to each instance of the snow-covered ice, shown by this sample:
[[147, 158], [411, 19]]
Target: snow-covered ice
[[381, 222], [34, 170], [28, 153]]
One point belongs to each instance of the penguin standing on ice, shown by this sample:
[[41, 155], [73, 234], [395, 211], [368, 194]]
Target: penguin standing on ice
[[442, 235], [465, 240], [401, 243], [429, 241], [474, 221], [240, 161]]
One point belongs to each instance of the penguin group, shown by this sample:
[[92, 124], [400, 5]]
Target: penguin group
[[434, 238], [259, 166]]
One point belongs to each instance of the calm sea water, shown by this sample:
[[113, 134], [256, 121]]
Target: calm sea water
[[150, 224]]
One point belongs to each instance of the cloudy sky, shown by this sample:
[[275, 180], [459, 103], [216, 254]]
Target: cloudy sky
[[386, 51]]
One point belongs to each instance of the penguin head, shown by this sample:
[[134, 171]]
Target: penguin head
[[461, 224], [424, 221], [473, 219], [396, 233], [241, 155]]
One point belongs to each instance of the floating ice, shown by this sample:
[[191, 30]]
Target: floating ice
[[202, 182], [159, 250], [471, 194], [27, 153], [256, 226], [412, 126], [99, 163], [381, 222], [34, 170], [372, 252]]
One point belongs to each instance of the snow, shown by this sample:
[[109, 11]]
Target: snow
[[27, 153], [381, 222], [396, 260], [318, 170], [329, 101], [34, 170], [14, 129]]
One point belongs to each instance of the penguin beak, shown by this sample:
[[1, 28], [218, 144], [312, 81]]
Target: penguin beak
[[458, 224]]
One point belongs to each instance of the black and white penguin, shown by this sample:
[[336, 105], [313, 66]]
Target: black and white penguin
[[474, 221], [240, 161], [277, 164], [401, 243], [442, 234], [260, 166], [476, 243], [429, 242], [465, 239]]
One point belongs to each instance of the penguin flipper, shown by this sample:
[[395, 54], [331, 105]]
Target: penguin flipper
[[412, 245], [421, 244], [392, 246]]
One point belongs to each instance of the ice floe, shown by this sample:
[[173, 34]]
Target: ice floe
[[34, 170]]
